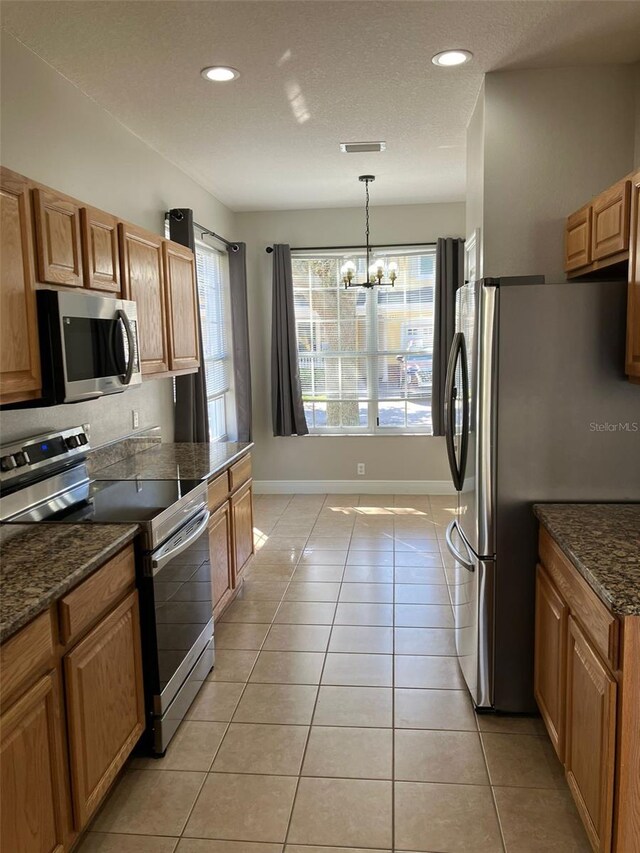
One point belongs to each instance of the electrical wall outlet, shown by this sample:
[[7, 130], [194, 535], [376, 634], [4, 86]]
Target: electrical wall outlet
[[135, 417], [360, 469]]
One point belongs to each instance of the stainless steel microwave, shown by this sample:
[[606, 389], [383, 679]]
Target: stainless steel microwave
[[88, 346]]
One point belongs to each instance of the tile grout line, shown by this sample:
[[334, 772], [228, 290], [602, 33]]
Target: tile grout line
[[315, 704], [206, 774]]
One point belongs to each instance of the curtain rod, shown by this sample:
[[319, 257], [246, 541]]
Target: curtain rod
[[177, 214], [269, 249]]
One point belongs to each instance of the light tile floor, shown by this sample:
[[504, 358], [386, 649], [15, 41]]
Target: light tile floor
[[336, 718]]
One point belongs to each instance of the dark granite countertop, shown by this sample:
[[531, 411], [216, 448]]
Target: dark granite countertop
[[603, 543], [176, 462], [40, 562]]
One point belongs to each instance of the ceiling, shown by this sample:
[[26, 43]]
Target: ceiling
[[314, 73]]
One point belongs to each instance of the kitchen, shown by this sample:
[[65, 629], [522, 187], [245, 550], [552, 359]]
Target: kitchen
[[336, 715]]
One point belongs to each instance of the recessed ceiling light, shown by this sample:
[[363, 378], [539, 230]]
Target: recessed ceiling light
[[447, 58], [220, 73]]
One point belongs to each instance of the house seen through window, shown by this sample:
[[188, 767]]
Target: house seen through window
[[365, 356]]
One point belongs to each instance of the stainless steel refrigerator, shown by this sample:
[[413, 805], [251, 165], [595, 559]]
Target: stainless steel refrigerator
[[537, 408]]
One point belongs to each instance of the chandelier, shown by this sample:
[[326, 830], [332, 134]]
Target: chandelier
[[376, 270]]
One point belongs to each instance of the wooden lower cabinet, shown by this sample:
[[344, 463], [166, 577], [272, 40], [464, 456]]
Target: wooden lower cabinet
[[32, 772], [242, 527], [221, 558], [105, 704], [587, 685], [591, 737], [550, 657]]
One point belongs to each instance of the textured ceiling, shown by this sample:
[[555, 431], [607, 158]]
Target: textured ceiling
[[314, 73]]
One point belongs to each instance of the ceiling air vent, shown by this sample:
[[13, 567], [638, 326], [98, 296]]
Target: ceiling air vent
[[361, 147]]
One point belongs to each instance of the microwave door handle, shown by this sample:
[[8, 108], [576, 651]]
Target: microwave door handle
[[454, 551], [122, 315], [164, 557]]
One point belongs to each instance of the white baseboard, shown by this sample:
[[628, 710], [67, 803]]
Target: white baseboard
[[353, 487]]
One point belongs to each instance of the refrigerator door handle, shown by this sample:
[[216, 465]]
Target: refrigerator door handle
[[457, 465], [469, 566]]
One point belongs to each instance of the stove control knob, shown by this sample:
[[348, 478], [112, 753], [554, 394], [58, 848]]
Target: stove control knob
[[82, 438], [7, 463], [72, 441], [21, 459]]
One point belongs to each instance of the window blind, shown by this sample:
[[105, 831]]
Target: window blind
[[213, 297]]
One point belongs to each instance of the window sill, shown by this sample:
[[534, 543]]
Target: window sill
[[370, 435]]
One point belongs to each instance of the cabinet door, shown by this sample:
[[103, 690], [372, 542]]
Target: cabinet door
[[590, 737], [577, 239], [633, 299], [57, 239], [221, 557], [143, 281], [550, 657], [105, 705], [182, 307], [19, 350], [242, 529], [32, 798], [610, 227], [100, 252]]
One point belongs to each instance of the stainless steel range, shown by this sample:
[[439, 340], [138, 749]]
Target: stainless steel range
[[44, 479]]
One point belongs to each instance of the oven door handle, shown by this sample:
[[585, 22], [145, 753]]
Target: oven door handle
[[454, 551], [122, 315], [164, 557]]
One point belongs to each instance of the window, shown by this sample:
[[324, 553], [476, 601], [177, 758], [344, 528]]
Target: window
[[213, 292], [365, 356]]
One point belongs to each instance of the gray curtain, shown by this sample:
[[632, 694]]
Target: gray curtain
[[191, 412], [240, 323], [449, 277], [286, 395]]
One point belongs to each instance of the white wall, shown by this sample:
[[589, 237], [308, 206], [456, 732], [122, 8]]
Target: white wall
[[474, 198], [553, 138], [333, 457], [54, 134]]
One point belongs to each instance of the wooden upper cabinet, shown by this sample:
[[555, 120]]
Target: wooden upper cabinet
[[19, 350], [590, 737], [633, 300], [100, 250], [182, 307], [577, 244], [58, 239], [33, 813], [610, 226], [143, 281], [552, 614], [105, 705]]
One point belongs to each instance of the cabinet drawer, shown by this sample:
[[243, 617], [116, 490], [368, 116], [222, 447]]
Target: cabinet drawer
[[240, 472], [96, 595], [577, 239], [218, 490], [595, 618], [25, 654]]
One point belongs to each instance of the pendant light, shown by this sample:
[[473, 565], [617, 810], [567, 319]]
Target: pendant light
[[376, 271]]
